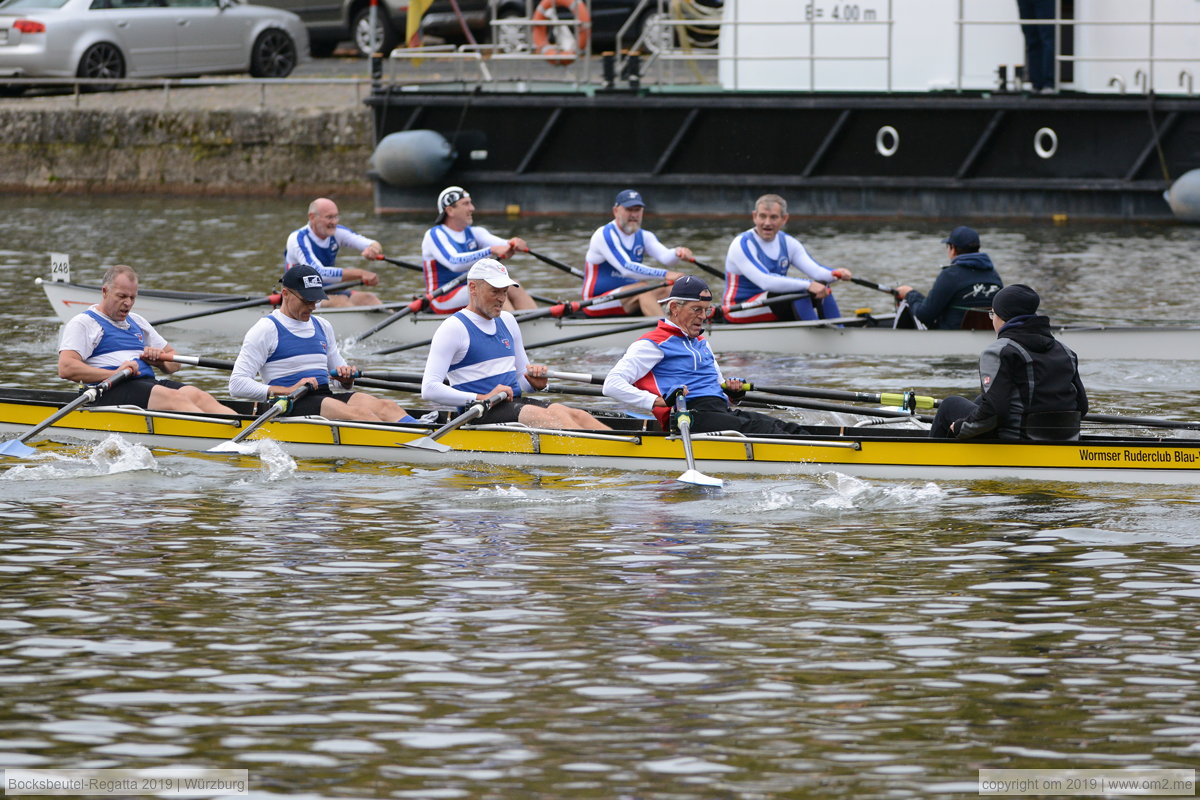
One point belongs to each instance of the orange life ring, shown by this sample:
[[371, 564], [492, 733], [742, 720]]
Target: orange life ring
[[541, 33]]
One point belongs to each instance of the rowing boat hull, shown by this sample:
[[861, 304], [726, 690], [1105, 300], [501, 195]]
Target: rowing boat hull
[[789, 338], [872, 453]]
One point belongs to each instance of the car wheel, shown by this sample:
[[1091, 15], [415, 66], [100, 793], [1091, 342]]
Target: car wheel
[[512, 38], [102, 60], [385, 33], [273, 55]]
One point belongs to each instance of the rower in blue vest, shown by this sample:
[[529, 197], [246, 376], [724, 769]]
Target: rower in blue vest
[[455, 243], [478, 352], [109, 337], [675, 356], [757, 264], [616, 260], [318, 243], [291, 346]]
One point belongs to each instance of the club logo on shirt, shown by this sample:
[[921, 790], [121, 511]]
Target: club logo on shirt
[[507, 344], [987, 382], [639, 253], [784, 263]]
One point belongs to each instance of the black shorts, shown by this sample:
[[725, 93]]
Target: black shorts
[[508, 411], [134, 392], [310, 404]]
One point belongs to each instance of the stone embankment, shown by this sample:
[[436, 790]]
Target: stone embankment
[[247, 140]]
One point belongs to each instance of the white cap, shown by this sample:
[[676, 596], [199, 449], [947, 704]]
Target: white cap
[[492, 271]]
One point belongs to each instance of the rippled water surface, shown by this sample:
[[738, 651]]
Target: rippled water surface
[[356, 630]]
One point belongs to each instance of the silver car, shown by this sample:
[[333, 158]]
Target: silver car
[[147, 38]]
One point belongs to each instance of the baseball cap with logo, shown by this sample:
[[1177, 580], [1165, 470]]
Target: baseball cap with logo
[[306, 282], [449, 196], [629, 198], [688, 288], [492, 271]]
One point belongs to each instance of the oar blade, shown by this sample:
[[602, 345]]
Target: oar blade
[[230, 446], [16, 448], [426, 443], [698, 478]]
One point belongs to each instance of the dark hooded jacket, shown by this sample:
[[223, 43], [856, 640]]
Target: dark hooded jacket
[[1025, 371], [969, 281]]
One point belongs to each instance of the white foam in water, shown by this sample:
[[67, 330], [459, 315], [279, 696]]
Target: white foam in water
[[111, 456], [851, 492], [277, 465]]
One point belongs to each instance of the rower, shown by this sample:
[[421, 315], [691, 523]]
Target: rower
[[455, 243], [675, 356], [963, 289], [291, 347], [317, 244], [109, 337], [615, 261], [757, 263], [1030, 380], [480, 353]]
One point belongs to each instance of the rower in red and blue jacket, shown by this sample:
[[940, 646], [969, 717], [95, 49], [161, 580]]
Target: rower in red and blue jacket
[[757, 264], [675, 357]]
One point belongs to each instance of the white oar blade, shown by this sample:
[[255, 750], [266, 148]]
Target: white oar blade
[[16, 448], [698, 478], [425, 443], [243, 448]]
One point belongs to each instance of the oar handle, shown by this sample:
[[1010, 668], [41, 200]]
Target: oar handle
[[879, 287], [106, 384], [554, 262], [710, 270], [581, 377], [399, 263], [201, 361]]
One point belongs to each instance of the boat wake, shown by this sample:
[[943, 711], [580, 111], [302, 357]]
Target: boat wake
[[111, 456]]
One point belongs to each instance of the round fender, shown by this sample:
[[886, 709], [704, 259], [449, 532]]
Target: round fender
[[411, 158]]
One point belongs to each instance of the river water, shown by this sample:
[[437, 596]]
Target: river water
[[356, 630]]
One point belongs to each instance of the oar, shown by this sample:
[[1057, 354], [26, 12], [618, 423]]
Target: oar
[[420, 304], [906, 400], [399, 263], [201, 361], [684, 420], [710, 270], [560, 310], [281, 405], [478, 409], [554, 262], [873, 285], [763, 301], [1147, 422], [17, 447], [592, 335], [271, 299]]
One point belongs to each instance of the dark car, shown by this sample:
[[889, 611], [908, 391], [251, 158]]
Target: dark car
[[330, 22]]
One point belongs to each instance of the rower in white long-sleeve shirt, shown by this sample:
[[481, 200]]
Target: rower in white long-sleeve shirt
[[757, 264], [455, 243], [480, 353], [291, 347], [616, 260]]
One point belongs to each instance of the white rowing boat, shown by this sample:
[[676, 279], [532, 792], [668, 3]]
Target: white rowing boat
[[865, 452], [849, 336]]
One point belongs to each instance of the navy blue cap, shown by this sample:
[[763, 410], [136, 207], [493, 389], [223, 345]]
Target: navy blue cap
[[306, 282], [629, 198], [963, 237], [688, 288]]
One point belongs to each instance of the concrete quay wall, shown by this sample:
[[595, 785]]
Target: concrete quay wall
[[237, 151]]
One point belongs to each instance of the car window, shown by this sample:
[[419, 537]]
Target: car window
[[126, 4], [193, 3], [34, 4]]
